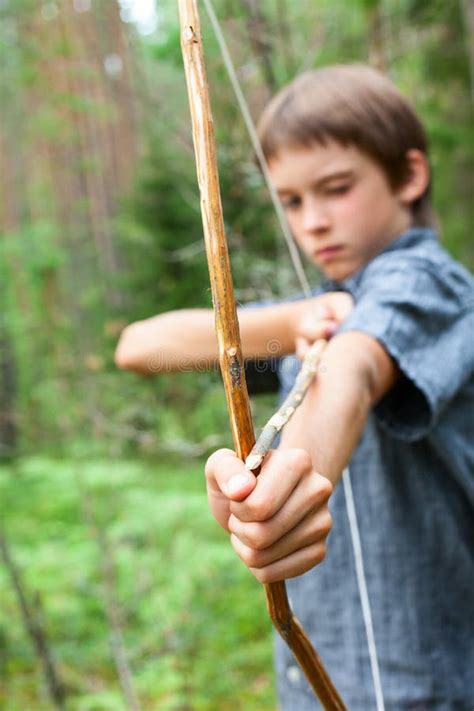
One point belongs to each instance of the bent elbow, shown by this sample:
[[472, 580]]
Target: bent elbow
[[126, 356], [122, 355]]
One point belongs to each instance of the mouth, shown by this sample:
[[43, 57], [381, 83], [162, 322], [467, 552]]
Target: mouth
[[325, 254]]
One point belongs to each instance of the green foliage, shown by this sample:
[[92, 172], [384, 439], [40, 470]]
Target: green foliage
[[189, 609], [194, 621], [169, 48], [63, 302]]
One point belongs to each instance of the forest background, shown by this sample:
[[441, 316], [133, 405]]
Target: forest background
[[104, 603]]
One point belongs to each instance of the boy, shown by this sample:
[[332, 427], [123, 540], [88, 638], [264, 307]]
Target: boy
[[393, 397]]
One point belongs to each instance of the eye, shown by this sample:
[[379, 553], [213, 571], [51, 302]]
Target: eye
[[341, 189], [292, 202]]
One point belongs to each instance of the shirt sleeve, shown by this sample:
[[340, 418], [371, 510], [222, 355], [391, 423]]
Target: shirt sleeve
[[424, 318]]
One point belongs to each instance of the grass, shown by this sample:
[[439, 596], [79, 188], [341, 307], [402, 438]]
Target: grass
[[194, 620]]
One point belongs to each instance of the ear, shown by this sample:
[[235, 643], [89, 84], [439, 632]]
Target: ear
[[418, 177]]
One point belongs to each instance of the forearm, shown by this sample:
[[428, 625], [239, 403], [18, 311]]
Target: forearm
[[185, 339], [328, 425], [169, 342], [271, 330], [353, 375]]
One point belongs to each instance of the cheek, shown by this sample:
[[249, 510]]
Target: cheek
[[352, 207], [294, 223], [364, 205]]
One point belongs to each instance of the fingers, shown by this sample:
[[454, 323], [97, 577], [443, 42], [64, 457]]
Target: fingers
[[293, 540], [312, 529], [292, 555], [281, 473], [324, 316], [290, 567], [278, 522], [335, 305], [310, 495], [310, 330], [232, 487], [227, 479]]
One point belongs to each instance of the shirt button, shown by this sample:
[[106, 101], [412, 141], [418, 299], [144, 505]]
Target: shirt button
[[293, 674]]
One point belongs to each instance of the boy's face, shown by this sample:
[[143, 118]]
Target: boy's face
[[339, 204]]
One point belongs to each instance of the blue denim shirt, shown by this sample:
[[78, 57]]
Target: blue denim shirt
[[413, 482]]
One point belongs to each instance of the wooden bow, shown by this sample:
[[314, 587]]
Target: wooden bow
[[227, 329]]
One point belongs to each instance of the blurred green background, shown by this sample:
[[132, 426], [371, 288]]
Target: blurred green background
[[110, 560]]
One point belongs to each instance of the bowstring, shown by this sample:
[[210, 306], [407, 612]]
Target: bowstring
[[363, 592], [250, 125], [303, 281]]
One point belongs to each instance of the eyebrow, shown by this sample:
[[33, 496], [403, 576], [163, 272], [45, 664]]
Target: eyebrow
[[339, 175]]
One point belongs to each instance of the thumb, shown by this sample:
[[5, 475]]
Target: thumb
[[226, 474]]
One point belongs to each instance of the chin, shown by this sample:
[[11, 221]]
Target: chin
[[341, 269], [338, 274]]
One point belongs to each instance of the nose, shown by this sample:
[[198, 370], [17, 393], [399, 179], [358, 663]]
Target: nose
[[315, 217]]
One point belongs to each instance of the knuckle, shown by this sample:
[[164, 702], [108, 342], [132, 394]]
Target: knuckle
[[320, 527], [260, 508], [251, 558], [262, 574], [298, 459], [323, 487], [254, 537], [319, 491], [320, 553], [326, 523]]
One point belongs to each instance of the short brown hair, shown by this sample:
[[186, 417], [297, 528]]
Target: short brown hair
[[353, 105]]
